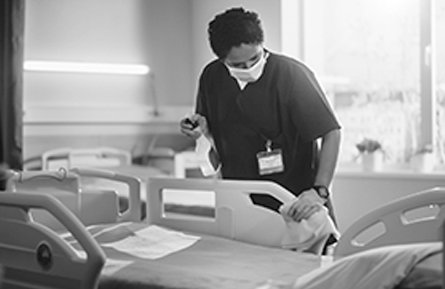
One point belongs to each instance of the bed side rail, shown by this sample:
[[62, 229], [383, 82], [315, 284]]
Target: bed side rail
[[417, 217], [34, 256], [234, 214]]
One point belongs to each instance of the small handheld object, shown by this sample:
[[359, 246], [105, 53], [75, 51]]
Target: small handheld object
[[194, 124]]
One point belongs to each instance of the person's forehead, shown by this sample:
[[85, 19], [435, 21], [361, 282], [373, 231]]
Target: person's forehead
[[243, 53]]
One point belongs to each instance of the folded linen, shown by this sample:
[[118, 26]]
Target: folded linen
[[303, 235]]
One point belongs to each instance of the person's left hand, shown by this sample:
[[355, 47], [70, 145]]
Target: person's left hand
[[307, 203], [194, 125]]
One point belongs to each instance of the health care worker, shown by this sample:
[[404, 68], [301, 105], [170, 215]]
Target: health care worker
[[264, 113]]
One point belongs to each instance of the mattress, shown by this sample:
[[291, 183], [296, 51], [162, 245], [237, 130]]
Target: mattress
[[210, 262], [188, 260]]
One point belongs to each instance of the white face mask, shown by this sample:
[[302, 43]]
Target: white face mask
[[250, 74]]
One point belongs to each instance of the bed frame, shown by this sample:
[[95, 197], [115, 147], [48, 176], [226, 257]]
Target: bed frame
[[401, 220], [226, 215], [234, 218]]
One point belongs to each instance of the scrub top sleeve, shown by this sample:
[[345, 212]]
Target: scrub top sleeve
[[311, 112], [201, 106]]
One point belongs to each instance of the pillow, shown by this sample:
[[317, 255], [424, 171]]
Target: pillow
[[378, 268], [427, 274]]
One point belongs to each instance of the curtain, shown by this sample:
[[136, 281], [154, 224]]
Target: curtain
[[12, 20]]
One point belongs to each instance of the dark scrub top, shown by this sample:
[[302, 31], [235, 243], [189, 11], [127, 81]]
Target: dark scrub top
[[285, 105]]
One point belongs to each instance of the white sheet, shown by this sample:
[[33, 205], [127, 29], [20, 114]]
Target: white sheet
[[380, 268], [153, 242]]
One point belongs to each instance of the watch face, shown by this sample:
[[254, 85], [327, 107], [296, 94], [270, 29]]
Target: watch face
[[322, 192]]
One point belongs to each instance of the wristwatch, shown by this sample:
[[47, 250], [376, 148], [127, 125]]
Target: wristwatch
[[322, 191]]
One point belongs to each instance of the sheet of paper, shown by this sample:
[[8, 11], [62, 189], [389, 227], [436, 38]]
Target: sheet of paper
[[153, 242]]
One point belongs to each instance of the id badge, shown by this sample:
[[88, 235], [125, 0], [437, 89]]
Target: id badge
[[270, 161]]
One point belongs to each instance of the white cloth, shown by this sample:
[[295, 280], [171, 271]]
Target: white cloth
[[203, 149], [304, 234], [379, 268]]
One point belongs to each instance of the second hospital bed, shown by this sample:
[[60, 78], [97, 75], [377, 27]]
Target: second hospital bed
[[215, 252]]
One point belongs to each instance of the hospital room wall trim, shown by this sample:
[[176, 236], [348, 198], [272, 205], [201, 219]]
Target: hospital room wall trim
[[117, 120], [86, 114]]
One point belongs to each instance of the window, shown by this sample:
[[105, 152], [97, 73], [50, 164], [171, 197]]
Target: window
[[440, 76], [382, 63]]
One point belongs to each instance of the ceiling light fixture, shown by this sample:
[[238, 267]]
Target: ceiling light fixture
[[85, 67]]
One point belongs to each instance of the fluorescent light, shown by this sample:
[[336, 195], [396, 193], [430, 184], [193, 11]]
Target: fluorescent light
[[85, 67]]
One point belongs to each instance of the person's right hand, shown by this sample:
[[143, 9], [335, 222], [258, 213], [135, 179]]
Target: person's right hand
[[193, 126]]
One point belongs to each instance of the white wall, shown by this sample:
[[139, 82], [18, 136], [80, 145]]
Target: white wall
[[156, 33], [86, 110], [170, 36]]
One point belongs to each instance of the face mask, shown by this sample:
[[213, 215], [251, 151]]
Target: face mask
[[250, 74]]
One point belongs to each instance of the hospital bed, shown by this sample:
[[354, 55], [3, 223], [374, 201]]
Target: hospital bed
[[109, 159], [206, 206], [92, 157], [158, 159], [232, 248]]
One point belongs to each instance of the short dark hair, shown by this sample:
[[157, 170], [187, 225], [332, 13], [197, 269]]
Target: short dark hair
[[232, 28]]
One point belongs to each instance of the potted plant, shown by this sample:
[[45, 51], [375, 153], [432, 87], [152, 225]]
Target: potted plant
[[423, 159], [371, 152]]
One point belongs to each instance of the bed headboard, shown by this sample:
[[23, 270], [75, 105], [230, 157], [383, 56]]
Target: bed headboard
[[134, 184], [84, 157], [92, 206], [41, 253], [414, 218], [232, 213]]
